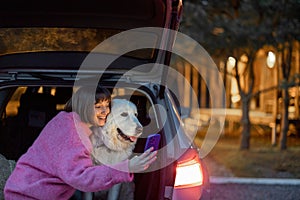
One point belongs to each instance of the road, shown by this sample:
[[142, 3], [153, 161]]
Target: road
[[255, 189]]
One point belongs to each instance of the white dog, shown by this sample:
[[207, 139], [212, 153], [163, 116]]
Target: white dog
[[115, 142]]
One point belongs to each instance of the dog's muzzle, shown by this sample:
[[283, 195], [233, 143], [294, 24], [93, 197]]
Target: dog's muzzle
[[125, 137]]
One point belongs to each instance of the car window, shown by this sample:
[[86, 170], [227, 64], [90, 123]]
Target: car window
[[27, 111], [13, 104], [63, 39]]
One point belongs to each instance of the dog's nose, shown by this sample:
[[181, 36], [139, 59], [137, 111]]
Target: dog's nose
[[139, 129]]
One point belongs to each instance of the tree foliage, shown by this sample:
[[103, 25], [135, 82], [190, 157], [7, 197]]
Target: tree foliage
[[223, 25], [236, 27]]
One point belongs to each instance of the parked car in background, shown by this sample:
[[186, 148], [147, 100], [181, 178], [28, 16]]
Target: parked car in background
[[49, 49]]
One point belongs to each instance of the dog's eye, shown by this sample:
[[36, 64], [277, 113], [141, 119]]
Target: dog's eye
[[124, 114]]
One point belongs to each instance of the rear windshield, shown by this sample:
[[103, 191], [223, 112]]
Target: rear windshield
[[14, 40]]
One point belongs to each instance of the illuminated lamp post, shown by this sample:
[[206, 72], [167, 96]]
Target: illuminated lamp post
[[271, 60]]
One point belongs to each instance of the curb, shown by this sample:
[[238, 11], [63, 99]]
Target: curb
[[262, 181]]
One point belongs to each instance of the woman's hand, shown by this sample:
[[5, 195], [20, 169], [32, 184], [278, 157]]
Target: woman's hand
[[143, 161]]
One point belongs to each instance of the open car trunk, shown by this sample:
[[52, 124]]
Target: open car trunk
[[30, 108], [48, 47]]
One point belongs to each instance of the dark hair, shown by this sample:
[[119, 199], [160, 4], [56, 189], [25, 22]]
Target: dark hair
[[83, 100]]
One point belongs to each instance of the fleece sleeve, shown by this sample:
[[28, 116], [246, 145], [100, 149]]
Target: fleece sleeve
[[73, 163], [78, 171]]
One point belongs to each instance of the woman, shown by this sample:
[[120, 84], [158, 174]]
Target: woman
[[59, 161]]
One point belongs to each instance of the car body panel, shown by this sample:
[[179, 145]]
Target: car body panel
[[90, 13]]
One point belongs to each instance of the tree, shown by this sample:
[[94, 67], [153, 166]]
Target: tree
[[238, 27], [286, 32], [283, 19]]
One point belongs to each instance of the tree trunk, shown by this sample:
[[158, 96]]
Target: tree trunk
[[284, 119], [246, 124], [286, 69]]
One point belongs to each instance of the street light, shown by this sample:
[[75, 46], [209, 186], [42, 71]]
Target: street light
[[234, 92], [271, 59], [230, 64]]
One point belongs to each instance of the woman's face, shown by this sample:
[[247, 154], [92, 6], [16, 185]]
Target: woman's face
[[101, 112]]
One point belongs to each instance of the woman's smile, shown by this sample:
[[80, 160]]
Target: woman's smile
[[102, 109]]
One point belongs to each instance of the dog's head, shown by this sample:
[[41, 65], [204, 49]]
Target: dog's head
[[122, 128]]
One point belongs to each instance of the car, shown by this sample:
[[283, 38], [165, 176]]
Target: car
[[49, 49]]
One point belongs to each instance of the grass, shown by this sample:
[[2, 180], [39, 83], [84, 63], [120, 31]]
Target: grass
[[262, 160]]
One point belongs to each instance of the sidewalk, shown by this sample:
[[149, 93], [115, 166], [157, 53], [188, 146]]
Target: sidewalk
[[221, 175], [263, 181]]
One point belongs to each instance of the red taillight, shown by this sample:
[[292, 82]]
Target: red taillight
[[188, 174]]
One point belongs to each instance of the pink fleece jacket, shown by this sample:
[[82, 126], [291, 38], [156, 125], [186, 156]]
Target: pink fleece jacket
[[59, 161]]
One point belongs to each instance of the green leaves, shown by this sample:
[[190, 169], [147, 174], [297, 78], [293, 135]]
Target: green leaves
[[252, 24]]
